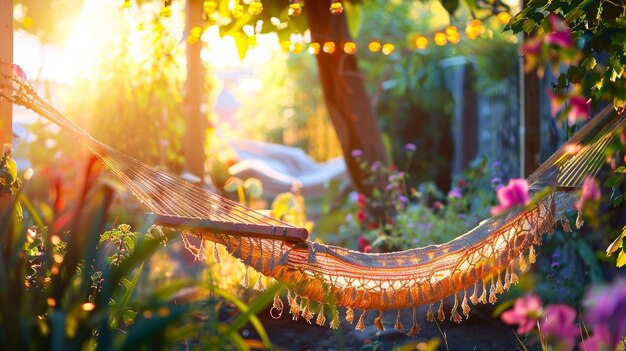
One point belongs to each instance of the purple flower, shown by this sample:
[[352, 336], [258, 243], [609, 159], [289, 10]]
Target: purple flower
[[598, 341], [607, 306], [560, 34], [579, 109], [495, 181], [455, 193], [590, 191], [402, 199], [410, 147], [496, 164], [525, 313], [559, 321], [514, 194], [356, 153]]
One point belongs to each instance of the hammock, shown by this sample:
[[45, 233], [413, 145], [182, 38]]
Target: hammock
[[474, 267]]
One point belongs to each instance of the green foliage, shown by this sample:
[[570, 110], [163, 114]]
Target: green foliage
[[596, 62], [9, 182], [132, 97], [432, 216]]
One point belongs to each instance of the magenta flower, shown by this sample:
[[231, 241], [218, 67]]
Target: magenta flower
[[525, 313], [410, 147], [590, 191], [356, 153], [598, 341], [558, 321], [607, 306], [578, 110], [514, 194], [560, 34]]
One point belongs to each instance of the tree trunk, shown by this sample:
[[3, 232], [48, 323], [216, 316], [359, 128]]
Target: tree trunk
[[346, 99], [193, 145]]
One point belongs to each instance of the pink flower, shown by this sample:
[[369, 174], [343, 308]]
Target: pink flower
[[558, 321], [19, 73], [598, 341], [525, 313], [590, 191], [360, 200], [362, 241], [560, 34], [356, 153], [367, 249], [437, 205], [410, 147], [578, 110], [361, 216], [607, 306], [514, 194]]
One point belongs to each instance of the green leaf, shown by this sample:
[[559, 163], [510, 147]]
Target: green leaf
[[528, 26], [535, 4], [613, 181], [450, 6]]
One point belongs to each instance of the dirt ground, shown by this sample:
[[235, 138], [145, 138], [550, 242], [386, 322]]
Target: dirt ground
[[479, 332]]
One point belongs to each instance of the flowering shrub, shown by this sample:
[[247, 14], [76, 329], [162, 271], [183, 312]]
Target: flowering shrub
[[602, 328], [424, 215]]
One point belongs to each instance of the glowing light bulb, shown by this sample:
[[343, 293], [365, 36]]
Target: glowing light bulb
[[504, 17], [374, 46], [329, 47], [388, 49], [421, 42], [255, 8], [440, 38], [295, 9], [336, 8], [349, 48], [314, 48]]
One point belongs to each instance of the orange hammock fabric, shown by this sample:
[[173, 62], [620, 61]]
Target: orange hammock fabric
[[474, 267]]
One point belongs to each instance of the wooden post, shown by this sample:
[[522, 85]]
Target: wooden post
[[6, 59], [6, 107], [194, 92], [529, 118]]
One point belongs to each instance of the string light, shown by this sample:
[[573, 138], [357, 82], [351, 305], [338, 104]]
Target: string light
[[314, 48], [255, 8], [329, 47], [388, 49], [421, 42], [452, 34], [336, 7], [209, 6], [374, 46], [504, 17], [440, 38], [349, 48], [295, 9], [473, 29]]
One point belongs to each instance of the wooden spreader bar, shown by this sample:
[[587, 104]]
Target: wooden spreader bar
[[263, 231]]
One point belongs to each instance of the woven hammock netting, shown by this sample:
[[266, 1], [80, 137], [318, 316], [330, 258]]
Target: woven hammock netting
[[471, 269]]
